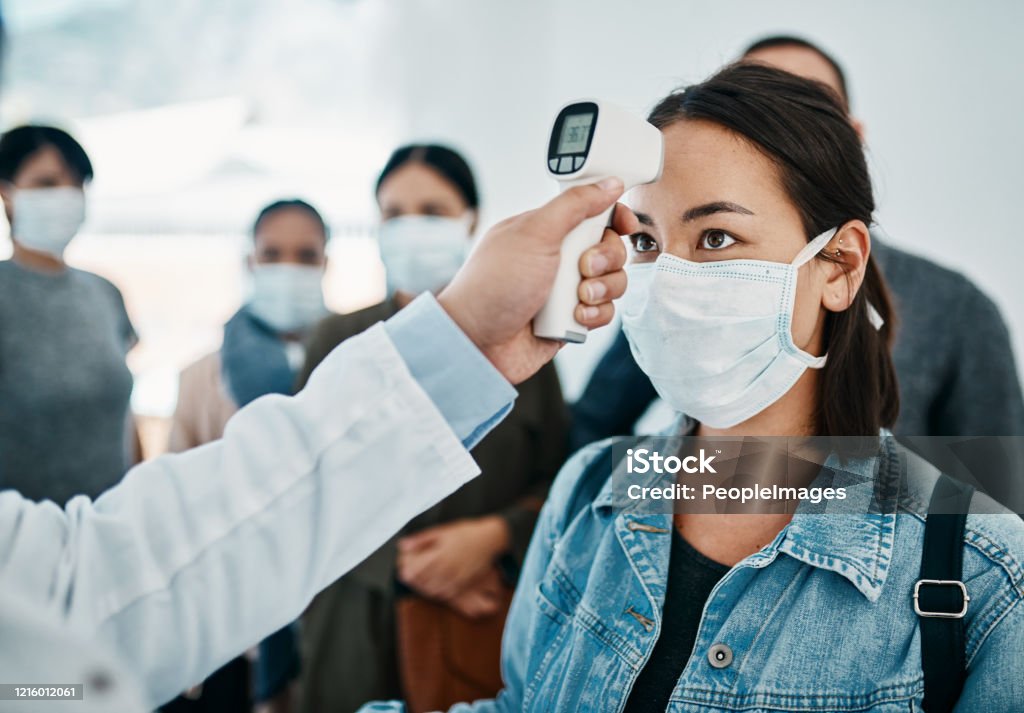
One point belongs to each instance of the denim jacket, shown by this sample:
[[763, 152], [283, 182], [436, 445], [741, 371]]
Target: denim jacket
[[821, 619]]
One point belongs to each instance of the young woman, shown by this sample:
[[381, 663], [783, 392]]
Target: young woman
[[65, 424], [756, 309], [455, 565]]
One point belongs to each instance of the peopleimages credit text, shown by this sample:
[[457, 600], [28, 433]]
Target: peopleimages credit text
[[642, 461]]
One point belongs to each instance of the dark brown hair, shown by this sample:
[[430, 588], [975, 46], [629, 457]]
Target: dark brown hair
[[802, 128], [291, 204], [446, 161], [21, 143]]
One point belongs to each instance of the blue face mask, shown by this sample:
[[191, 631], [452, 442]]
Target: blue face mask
[[46, 219], [715, 337], [287, 297], [422, 253]]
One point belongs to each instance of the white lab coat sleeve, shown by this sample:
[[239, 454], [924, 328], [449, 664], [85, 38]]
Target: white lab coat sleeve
[[196, 556]]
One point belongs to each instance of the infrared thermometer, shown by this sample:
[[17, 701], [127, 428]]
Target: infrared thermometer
[[592, 140]]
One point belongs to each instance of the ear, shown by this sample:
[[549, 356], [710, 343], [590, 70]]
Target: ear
[[858, 126], [847, 254], [473, 222], [250, 261]]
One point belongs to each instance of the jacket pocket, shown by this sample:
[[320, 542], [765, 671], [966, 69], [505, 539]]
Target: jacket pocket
[[551, 627]]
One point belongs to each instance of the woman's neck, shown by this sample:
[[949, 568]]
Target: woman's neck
[[37, 261], [730, 538]]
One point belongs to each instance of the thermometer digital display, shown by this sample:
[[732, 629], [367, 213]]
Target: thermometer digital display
[[575, 133]]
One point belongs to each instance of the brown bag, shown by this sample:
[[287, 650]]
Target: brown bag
[[445, 658]]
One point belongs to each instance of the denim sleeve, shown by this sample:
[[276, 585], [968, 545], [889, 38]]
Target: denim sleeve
[[468, 391], [616, 396], [995, 676]]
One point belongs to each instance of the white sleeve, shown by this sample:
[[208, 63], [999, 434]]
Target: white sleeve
[[196, 556]]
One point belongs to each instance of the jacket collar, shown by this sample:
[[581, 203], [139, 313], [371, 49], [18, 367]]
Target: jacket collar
[[853, 537]]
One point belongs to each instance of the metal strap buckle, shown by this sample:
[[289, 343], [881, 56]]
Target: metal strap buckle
[[941, 614]]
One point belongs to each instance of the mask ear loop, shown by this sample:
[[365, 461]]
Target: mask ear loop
[[814, 247], [874, 317]]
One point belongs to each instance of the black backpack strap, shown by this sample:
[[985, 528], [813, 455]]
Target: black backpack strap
[[941, 598]]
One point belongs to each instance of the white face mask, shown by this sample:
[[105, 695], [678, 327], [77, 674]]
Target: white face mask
[[287, 297], [46, 219], [422, 252], [715, 338]]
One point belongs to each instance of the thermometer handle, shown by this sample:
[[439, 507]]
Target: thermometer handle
[[555, 320]]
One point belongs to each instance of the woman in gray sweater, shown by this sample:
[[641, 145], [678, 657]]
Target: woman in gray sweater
[[64, 333]]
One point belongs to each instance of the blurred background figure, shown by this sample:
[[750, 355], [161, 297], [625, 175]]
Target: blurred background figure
[[65, 422], [421, 619], [262, 353], [953, 353]]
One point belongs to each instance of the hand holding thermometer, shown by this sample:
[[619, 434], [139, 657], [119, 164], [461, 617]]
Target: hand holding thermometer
[[592, 140]]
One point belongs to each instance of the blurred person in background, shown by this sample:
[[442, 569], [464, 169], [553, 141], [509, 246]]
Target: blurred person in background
[[430, 605], [261, 354], [948, 386], [65, 421]]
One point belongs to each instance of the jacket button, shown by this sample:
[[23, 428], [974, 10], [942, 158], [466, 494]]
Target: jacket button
[[720, 656]]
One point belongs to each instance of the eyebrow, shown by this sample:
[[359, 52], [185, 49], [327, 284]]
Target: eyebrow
[[702, 211]]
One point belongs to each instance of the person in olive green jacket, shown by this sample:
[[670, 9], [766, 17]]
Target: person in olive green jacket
[[467, 547]]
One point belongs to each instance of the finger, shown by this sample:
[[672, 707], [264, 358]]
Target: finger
[[418, 541], [592, 317], [624, 221], [473, 606], [445, 591], [478, 608], [422, 584], [599, 290], [406, 568], [607, 256], [405, 576], [490, 589], [415, 569], [561, 214], [487, 609]]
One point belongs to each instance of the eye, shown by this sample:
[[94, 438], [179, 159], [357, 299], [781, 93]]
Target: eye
[[643, 243], [716, 240], [309, 257]]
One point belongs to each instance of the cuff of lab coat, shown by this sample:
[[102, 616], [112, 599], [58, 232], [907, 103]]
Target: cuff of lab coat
[[469, 392]]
